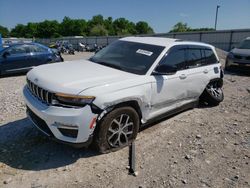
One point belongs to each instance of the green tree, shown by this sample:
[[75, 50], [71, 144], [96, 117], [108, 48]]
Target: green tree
[[31, 30], [48, 29], [97, 23], [143, 28], [18, 31], [132, 28], [108, 23], [73, 27], [4, 31], [183, 27], [180, 27], [97, 20], [121, 26], [98, 30], [79, 27]]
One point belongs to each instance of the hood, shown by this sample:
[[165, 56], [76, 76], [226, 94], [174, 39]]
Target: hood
[[243, 52], [75, 76]]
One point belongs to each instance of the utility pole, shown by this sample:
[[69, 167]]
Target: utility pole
[[216, 16]]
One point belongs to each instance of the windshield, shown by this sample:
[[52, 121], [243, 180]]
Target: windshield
[[245, 44], [127, 56]]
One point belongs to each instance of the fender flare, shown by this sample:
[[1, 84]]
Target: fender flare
[[218, 80], [123, 102]]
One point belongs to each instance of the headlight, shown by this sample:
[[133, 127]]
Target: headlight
[[73, 100], [230, 55]]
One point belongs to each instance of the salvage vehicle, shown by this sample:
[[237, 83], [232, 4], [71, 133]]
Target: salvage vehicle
[[133, 81], [21, 57], [239, 56]]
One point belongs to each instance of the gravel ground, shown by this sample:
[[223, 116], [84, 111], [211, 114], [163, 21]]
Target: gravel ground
[[202, 147]]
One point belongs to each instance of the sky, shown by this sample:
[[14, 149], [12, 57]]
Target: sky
[[161, 15]]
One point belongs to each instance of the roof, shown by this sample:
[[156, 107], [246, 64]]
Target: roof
[[23, 43], [151, 40], [160, 41]]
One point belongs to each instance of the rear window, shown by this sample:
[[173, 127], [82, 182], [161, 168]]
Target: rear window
[[194, 57], [35, 48]]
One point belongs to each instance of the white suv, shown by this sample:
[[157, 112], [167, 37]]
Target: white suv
[[125, 85]]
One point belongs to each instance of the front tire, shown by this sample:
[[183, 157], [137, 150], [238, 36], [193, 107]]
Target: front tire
[[213, 94], [117, 129]]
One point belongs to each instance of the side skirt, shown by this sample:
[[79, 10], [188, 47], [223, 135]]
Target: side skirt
[[170, 113]]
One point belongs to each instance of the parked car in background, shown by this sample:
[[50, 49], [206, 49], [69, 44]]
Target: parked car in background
[[239, 56], [22, 57], [129, 83]]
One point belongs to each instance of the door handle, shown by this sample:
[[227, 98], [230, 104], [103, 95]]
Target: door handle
[[205, 71], [182, 76]]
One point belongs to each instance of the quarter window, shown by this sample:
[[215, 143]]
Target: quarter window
[[210, 57]]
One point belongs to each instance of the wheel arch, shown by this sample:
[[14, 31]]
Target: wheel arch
[[136, 104], [218, 80], [133, 103]]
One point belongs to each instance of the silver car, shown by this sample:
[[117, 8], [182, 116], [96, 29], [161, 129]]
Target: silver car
[[239, 56]]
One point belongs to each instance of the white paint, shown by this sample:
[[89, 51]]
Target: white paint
[[154, 94]]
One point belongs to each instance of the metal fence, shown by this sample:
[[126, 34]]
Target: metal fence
[[223, 39]]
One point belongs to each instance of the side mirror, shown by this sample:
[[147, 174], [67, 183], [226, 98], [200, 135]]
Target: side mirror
[[5, 54], [164, 70]]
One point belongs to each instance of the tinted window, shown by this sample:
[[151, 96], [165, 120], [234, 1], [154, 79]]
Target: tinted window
[[19, 49], [34, 48], [194, 57], [176, 59], [210, 57], [245, 44], [128, 56]]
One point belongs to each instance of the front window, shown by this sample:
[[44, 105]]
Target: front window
[[17, 49], [127, 56], [245, 44], [175, 59]]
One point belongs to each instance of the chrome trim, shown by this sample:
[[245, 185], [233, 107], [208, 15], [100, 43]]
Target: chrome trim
[[40, 93]]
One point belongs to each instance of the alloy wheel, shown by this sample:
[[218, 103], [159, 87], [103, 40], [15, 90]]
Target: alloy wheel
[[120, 131], [214, 90]]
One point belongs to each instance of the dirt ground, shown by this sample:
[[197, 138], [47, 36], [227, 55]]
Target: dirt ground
[[202, 147]]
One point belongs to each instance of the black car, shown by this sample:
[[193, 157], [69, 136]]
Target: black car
[[22, 57]]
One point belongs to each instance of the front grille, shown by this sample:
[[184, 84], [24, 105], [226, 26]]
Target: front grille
[[41, 124], [40, 93]]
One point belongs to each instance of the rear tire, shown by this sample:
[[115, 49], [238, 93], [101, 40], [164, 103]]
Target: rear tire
[[213, 94], [117, 130]]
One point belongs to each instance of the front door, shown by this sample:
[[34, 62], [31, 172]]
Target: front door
[[170, 90], [16, 60]]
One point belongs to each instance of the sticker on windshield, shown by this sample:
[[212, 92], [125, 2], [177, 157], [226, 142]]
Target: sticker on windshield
[[144, 52]]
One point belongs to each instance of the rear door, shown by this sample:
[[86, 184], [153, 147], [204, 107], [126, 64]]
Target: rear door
[[197, 71], [39, 55]]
